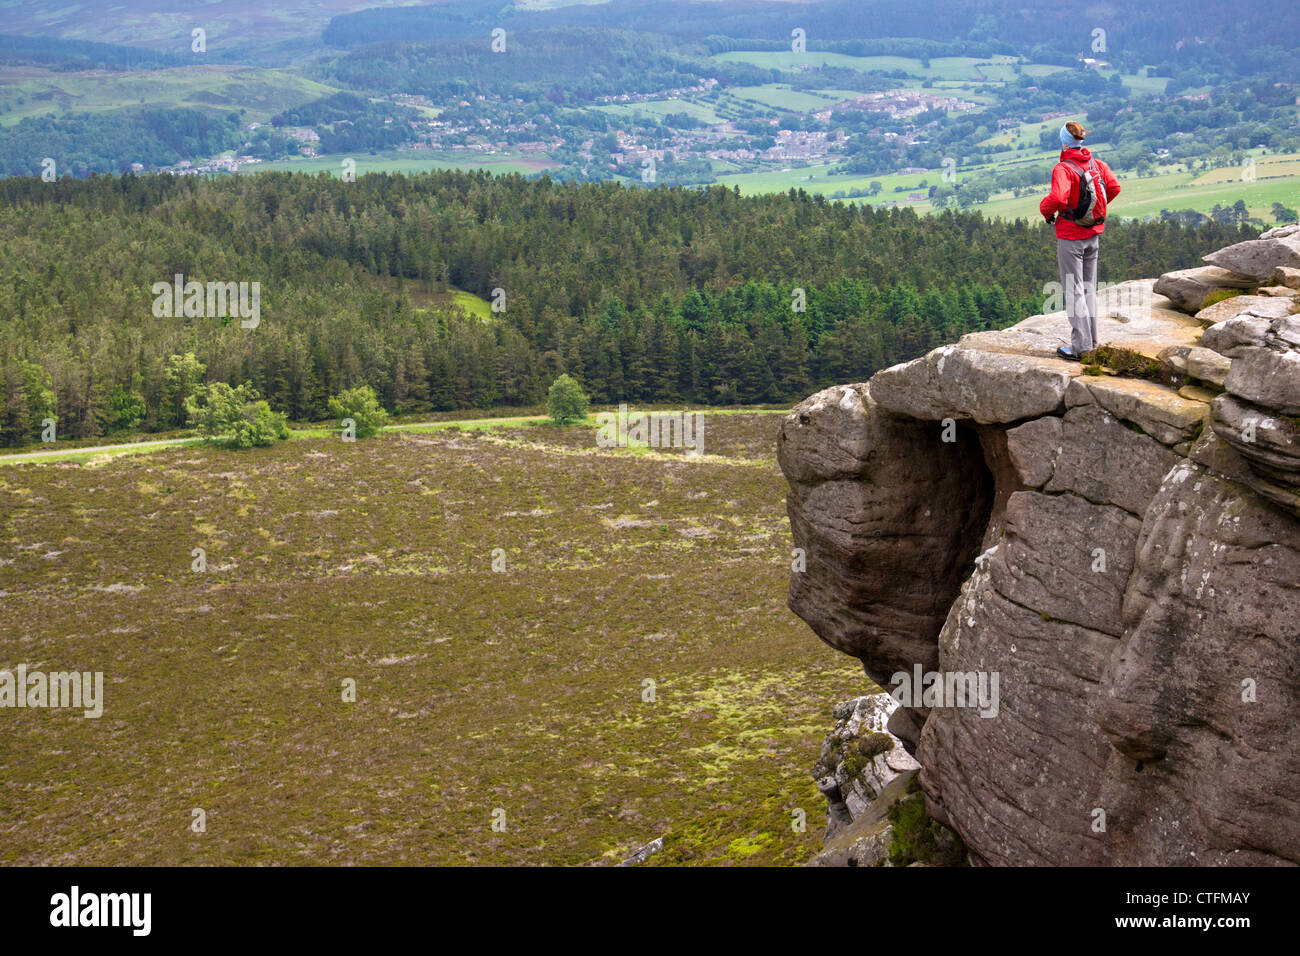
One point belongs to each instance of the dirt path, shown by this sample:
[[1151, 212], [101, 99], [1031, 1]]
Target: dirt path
[[163, 443], [96, 448]]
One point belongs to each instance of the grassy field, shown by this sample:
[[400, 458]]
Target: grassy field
[[658, 109], [1277, 179], [476, 691], [466, 301], [471, 303], [781, 96], [1029, 132], [407, 161], [1142, 83], [261, 92], [825, 179]]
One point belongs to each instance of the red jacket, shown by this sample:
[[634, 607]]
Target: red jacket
[[1065, 193]]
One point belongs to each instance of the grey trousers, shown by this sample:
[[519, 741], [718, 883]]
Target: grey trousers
[[1076, 261]]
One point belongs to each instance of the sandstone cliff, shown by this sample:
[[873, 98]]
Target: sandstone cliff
[[1120, 546]]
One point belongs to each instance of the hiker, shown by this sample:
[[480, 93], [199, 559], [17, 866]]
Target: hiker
[[1081, 189]]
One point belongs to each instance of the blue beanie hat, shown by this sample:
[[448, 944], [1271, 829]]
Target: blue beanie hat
[[1067, 138]]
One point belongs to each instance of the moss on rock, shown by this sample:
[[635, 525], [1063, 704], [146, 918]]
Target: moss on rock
[[918, 838]]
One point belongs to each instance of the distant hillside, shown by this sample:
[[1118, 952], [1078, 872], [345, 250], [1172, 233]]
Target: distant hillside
[[166, 24], [56, 54], [1153, 32]]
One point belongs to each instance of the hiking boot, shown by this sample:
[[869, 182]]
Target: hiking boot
[[1067, 354]]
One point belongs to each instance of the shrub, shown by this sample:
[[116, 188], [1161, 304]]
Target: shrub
[[37, 390], [1128, 362], [873, 745], [916, 838], [360, 404], [234, 417], [853, 765], [566, 401], [126, 409]]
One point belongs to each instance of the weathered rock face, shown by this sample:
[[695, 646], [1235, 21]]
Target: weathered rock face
[[859, 759], [865, 773], [1122, 555], [1203, 689], [888, 526]]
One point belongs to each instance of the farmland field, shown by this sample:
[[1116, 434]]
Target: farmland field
[[824, 178], [1277, 179], [1028, 133], [781, 96], [520, 689], [261, 92], [661, 108]]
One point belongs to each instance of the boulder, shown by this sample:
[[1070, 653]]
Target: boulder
[[1264, 306], [1018, 786], [1196, 361], [1267, 377], [1222, 458], [1258, 258], [1284, 333], [1208, 366], [1049, 558], [1187, 288], [1287, 277], [1232, 337], [829, 438], [1158, 411], [964, 383], [1269, 442], [1033, 448], [644, 853], [1197, 393], [865, 840], [1281, 232]]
